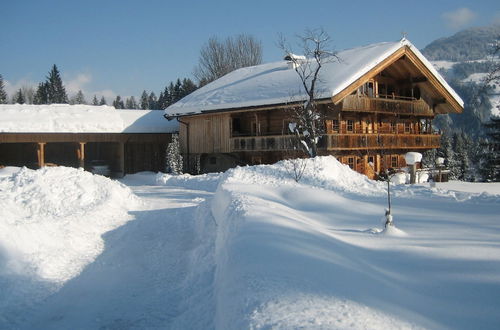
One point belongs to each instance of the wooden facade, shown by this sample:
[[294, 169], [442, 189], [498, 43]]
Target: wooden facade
[[369, 125], [123, 152]]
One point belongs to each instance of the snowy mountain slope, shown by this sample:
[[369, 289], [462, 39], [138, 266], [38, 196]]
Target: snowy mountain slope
[[251, 248], [464, 59]]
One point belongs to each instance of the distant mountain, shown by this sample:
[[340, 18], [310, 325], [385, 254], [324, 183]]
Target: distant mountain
[[464, 60], [467, 45]]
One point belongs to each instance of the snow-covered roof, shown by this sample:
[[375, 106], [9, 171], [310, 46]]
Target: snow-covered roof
[[277, 83], [64, 118]]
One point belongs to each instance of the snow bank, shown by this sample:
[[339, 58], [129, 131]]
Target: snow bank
[[298, 255], [51, 223], [321, 172]]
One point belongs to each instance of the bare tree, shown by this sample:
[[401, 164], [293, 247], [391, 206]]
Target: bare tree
[[218, 58], [309, 122]]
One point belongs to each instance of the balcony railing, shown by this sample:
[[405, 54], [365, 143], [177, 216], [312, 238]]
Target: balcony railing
[[386, 105], [339, 142], [263, 143], [381, 141]]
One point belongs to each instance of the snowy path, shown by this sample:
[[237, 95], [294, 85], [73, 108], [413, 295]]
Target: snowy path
[[140, 280]]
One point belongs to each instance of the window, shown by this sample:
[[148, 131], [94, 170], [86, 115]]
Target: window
[[371, 160], [350, 162], [350, 125], [393, 126], [394, 161], [236, 126], [369, 89], [336, 126]]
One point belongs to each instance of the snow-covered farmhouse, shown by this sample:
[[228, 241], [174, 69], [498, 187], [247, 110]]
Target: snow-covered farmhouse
[[378, 102], [115, 141]]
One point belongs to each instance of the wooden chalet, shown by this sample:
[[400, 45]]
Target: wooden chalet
[[127, 141], [378, 103]]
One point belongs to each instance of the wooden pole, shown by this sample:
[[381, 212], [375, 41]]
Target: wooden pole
[[121, 159], [81, 154], [41, 154]]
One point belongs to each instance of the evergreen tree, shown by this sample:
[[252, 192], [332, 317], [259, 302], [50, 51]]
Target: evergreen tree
[[130, 103], [169, 96], [103, 101], [492, 166], [55, 90], [80, 98], [95, 101], [118, 103], [173, 156], [3, 94], [161, 101], [188, 86], [144, 101], [19, 97], [152, 101], [461, 155], [446, 151], [176, 91], [41, 94]]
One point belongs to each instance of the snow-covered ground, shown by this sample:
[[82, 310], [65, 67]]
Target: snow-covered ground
[[247, 249]]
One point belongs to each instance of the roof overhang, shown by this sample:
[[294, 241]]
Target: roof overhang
[[452, 102]]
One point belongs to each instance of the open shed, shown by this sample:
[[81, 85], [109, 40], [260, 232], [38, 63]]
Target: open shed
[[127, 141]]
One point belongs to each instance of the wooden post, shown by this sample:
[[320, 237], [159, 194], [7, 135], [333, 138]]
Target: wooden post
[[121, 159], [80, 152], [41, 154]]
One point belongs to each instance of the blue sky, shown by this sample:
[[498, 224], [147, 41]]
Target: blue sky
[[122, 47]]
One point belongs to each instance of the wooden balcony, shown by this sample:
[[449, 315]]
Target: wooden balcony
[[386, 104], [381, 141], [339, 142]]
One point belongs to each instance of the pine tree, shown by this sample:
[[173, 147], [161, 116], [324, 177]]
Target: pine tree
[[188, 86], [95, 101], [19, 97], [3, 94], [80, 98], [144, 101], [173, 156], [55, 90], [461, 155], [130, 103], [118, 103], [492, 167], [103, 101], [152, 101], [177, 91], [161, 101], [41, 94], [446, 151]]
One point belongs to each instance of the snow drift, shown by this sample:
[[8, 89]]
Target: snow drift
[[306, 255], [51, 224]]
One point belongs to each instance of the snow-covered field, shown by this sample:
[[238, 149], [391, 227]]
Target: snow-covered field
[[247, 249]]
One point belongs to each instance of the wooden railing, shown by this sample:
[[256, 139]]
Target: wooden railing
[[386, 105], [263, 143], [339, 142], [381, 141]]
